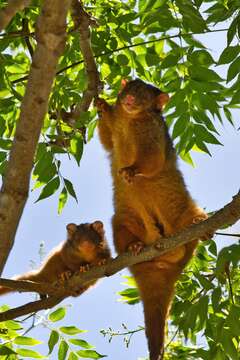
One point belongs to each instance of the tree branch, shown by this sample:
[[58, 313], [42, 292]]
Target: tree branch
[[83, 21], [227, 234], [229, 214], [30, 307], [51, 30], [10, 10]]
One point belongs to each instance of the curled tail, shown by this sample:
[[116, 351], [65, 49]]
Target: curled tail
[[156, 288]]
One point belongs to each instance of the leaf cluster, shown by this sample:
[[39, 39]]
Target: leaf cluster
[[64, 341]]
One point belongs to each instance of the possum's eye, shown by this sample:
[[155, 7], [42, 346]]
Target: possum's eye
[[71, 229]]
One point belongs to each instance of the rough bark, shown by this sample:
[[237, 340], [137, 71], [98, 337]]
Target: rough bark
[[50, 35]]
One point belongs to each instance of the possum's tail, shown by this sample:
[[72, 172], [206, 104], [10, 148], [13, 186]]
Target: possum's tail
[[156, 282], [156, 289]]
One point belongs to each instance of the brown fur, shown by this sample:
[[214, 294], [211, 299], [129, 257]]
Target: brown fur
[[150, 196], [85, 246]]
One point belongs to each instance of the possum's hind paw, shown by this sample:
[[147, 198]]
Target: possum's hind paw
[[136, 247]]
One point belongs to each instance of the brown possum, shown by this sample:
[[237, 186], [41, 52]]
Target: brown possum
[[150, 197], [85, 246]]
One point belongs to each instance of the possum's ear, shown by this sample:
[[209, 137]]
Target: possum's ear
[[71, 229], [123, 83], [98, 227], [162, 100]]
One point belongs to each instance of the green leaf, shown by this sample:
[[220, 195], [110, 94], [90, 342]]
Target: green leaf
[[201, 117], [216, 298], [233, 320], [53, 340], [3, 156], [62, 351], [57, 315], [122, 59], [30, 354], [185, 156], [45, 169], [82, 343], [49, 189], [180, 125], [70, 330], [203, 310], [229, 346], [229, 54], [235, 98], [202, 146], [152, 59], [73, 356], [203, 134], [170, 60], [201, 57], [130, 296], [232, 30], [24, 340], [4, 350], [5, 144], [11, 324], [233, 69], [91, 127], [70, 189], [192, 18], [76, 146], [228, 114], [201, 73], [90, 354], [62, 200]]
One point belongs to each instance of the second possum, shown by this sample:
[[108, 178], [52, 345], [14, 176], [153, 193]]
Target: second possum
[[85, 246], [150, 197]]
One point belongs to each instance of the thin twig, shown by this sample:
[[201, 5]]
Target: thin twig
[[227, 234], [25, 29]]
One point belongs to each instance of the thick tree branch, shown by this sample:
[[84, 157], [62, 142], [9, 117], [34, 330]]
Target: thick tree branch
[[51, 30], [10, 10], [227, 215]]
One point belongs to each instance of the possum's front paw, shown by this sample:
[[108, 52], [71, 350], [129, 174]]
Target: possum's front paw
[[199, 219], [128, 173], [84, 268], [65, 276], [101, 105]]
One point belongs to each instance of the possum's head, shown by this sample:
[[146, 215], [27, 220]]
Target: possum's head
[[86, 238], [136, 96]]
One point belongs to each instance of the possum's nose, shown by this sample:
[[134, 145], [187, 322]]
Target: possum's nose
[[129, 100]]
